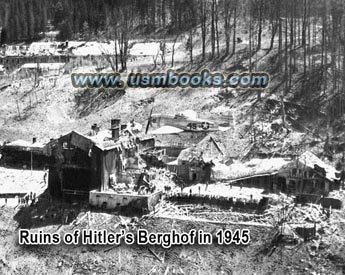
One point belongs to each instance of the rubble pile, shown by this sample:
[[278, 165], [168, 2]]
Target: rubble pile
[[123, 188], [296, 214], [154, 179], [162, 179], [192, 211], [226, 216], [166, 208], [99, 221], [280, 199], [87, 266]]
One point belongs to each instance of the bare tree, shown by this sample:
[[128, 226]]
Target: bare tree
[[162, 50], [173, 50], [213, 28], [203, 22]]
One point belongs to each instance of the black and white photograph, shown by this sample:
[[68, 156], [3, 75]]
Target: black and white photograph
[[172, 137]]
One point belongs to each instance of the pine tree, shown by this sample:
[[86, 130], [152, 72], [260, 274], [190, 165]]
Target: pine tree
[[86, 31], [23, 21], [30, 20], [65, 31], [59, 13], [3, 36]]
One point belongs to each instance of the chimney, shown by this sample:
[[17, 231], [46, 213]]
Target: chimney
[[115, 134], [123, 127], [115, 129], [95, 128], [34, 140], [115, 123]]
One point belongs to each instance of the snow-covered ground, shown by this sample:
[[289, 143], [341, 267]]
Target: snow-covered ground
[[85, 48], [20, 181]]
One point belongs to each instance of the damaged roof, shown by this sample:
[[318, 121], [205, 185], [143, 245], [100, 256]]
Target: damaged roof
[[264, 167], [43, 48], [207, 140], [198, 151], [310, 160], [77, 48], [190, 154], [102, 140], [24, 145], [257, 167]]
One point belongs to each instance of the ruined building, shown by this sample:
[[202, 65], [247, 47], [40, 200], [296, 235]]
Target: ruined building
[[94, 161], [305, 175], [195, 164]]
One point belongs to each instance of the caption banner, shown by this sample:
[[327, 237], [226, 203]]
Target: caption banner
[[142, 237]]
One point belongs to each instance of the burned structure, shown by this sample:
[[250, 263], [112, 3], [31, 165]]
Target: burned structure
[[168, 147], [195, 164], [103, 162], [13, 57], [305, 175]]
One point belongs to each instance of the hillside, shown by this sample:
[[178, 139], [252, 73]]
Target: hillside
[[48, 111]]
